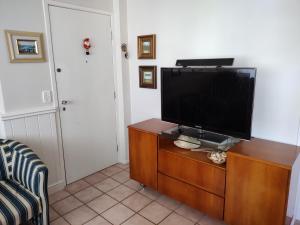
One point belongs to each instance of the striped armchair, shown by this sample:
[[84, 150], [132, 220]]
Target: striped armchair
[[23, 185]]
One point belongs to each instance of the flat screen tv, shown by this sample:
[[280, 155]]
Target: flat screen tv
[[219, 100]]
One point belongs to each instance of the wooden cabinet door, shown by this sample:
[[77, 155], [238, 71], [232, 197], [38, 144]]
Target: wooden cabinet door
[[256, 192], [143, 157]]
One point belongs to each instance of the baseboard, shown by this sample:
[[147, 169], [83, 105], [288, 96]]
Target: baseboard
[[56, 187], [123, 161]]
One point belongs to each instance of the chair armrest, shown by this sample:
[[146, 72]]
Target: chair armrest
[[28, 170]]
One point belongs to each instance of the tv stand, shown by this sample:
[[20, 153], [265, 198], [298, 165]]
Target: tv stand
[[256, 186]]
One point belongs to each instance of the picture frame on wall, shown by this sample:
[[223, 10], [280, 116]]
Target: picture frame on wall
[[147, 46], [147, 76], [25, 47]]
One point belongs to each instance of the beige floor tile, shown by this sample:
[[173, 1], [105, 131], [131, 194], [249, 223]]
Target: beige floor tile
[[111, 170], [80, 215], [77, 186], [88, 194], [133, 185], [121, 192], [118, 214], [102, 203], [155, 212], [52, 214], [98, 221], [175, 219], [136, 201], [121, 177], [189, 213], [95, 178], [107, 185], [150, 193], [122, 165], [60, 221], [137, 220], [168, 202], [205, 220], [58, 196], [66, 205]]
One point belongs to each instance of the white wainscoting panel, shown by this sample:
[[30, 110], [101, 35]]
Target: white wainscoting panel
[[38, 131]]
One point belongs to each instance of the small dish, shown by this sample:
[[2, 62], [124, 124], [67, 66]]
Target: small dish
[[186, 145]]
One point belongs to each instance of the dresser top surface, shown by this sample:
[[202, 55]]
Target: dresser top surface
[[272, 152], [283, 155], [155, 126]]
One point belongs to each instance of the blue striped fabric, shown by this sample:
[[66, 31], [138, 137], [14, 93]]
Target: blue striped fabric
[[23, 170], [26, 169], [17, 205], [5, 162]]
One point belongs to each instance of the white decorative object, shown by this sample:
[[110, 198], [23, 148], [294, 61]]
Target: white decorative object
[[187, 142], [217, 157]]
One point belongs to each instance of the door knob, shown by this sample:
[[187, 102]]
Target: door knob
[[65, 102]]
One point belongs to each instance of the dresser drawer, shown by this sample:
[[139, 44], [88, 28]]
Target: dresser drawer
[[195, 197], [200, 174]]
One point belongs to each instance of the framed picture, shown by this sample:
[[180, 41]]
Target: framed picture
[[25, 46], [147, 46], [147, 76]]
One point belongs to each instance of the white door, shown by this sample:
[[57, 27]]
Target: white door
[[85, 90]]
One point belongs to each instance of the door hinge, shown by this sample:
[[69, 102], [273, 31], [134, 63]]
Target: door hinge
[[115, 95], [111, 34], [117, 148]]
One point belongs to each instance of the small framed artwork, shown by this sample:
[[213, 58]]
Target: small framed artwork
[[25, 46], [147, 46], [147, 77]]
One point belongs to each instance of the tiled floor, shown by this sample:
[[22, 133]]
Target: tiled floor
[[110, 197]]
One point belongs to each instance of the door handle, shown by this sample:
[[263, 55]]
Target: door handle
[[65, 102]]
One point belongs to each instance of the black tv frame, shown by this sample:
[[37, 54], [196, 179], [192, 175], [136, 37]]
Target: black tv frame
[[246, 136]]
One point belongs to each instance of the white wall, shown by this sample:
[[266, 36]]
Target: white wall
[[299, 134], [1, 100], [21, 87], [22, 83], [23, 116], [259, 33]]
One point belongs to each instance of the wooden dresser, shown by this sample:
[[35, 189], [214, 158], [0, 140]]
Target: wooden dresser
[[255, 187]]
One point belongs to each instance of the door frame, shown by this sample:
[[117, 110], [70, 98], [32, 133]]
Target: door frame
[[117, 71]]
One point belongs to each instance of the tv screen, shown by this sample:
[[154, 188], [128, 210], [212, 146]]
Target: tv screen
[[215, 99]]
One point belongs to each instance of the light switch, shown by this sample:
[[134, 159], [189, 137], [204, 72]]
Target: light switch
[[46, 96]]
